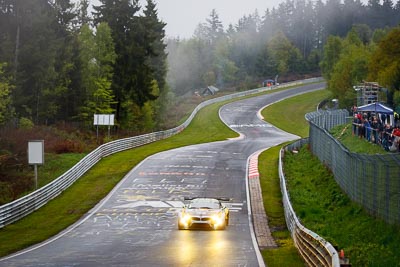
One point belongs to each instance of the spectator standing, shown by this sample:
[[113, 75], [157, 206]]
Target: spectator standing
[[383, 118], [359, 125], [374, 126], [396, 139], [387, 137], [381, 127], [367, 129], [361, 129], [355, 126]]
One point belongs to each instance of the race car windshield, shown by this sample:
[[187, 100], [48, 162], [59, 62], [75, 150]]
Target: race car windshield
[[202, 205]]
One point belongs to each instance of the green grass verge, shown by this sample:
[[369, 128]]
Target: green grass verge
[[286, 254], [289, 116], [21, 181], [353, 143], [55, 165]]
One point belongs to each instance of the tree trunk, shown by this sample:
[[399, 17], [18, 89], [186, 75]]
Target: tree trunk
[[16, 48]]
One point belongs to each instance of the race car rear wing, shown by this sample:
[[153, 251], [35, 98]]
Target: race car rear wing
[[224, 199]]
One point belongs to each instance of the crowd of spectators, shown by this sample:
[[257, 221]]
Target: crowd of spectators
[[377, 129]]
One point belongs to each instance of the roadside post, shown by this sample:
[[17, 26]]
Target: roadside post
[[36, 156]]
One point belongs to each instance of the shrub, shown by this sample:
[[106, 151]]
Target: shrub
[[25, 123], [68, 146], [5, 192]]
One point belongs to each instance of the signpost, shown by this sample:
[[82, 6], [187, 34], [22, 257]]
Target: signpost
[[103, 119], [36, 156]]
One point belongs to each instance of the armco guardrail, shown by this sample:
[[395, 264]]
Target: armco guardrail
[[19, 208], [315, 250]]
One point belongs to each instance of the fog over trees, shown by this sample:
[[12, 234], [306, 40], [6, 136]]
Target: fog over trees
[[61, 63], [286, 41]]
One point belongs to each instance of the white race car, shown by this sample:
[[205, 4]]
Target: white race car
[[204, 211]]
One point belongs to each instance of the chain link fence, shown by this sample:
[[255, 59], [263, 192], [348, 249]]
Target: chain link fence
[[370, 180]]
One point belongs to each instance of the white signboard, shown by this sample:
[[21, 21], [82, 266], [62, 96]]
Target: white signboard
[[103, 119], [36, 152]]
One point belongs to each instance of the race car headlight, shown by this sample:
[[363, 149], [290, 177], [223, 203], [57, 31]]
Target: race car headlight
[[217, 219], [185, 219]]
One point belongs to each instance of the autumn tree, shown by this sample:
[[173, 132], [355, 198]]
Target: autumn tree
[[385, 64]]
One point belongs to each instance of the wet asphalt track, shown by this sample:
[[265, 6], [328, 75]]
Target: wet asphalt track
[[136, 225]]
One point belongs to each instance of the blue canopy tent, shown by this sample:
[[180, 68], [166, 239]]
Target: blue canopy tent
[[378, 108], [375, 107]]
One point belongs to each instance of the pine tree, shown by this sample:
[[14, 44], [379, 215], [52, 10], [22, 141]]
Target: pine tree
[[157, 59], [120, 16], [214, 27], [155, 34], [140, 53], [83, 13]]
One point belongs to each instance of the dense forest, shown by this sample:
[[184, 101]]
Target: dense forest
[[62, 61]]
